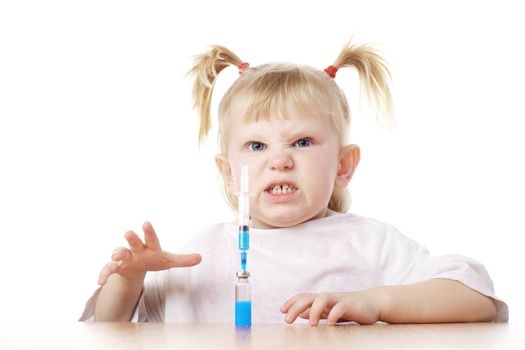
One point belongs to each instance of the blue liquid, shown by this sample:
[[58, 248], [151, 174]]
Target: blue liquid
[[244, 238], [243, 261], [243, 314]]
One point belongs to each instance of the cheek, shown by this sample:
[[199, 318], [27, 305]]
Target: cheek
[[321, 171], [235, 167], [326, 161], [255, 169], [236, 164]]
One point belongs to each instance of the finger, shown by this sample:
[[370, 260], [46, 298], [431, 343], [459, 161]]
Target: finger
[[286, 306], [121, 253], [108, 269], [134, 242], [183, 260], [299, 307], [320, 304], [305, 314], [150, 237], [337, 312]]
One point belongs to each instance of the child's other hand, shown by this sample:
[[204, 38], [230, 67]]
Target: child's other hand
[[360, 307], [132, 263]]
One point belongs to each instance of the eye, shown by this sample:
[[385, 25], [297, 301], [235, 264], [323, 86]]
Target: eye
[[304, 142], [256, 146]]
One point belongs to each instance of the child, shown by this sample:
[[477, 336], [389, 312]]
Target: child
[[309, 259]]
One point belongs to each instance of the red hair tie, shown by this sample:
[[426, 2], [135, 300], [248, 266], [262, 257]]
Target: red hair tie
[[243, 66], [331, 70]]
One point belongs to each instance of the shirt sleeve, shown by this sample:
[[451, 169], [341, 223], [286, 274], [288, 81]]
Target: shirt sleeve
[[408, 262], [150, 307], [89, 309]]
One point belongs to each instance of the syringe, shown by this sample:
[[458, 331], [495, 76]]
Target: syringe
[[243, 303], [244, 216]]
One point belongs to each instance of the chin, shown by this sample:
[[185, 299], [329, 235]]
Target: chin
[[283, 218]]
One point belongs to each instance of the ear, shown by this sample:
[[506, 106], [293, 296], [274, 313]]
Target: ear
[[225, 169], [348, 161]]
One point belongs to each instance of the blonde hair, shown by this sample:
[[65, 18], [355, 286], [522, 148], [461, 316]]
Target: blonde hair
[[268, 89]]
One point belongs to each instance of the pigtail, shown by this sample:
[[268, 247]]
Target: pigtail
[[205, 70], [374, 76]]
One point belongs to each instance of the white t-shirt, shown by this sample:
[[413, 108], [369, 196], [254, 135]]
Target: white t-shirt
[[338, 253]]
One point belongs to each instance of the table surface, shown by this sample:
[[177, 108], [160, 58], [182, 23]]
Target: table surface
[[129, 336]]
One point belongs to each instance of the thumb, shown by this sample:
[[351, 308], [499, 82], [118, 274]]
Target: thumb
[[183, 260]]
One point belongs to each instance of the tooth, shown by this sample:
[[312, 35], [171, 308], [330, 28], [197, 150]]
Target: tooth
[[280, 189]]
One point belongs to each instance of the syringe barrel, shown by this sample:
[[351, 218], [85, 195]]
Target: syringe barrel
[[244, 208], [244, 237]]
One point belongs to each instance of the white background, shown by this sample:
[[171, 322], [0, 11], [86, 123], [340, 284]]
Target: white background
[[97, 132]]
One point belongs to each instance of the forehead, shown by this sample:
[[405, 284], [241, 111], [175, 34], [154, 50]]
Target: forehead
[[285, 109], [283, 121]]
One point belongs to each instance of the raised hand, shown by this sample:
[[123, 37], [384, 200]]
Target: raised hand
[[132, 263]]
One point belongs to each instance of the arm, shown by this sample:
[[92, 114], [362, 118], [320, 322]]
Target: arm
[[118, 299], [432, 301], [122, 279]]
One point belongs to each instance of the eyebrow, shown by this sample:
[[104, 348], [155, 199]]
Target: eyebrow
[[296, 135]]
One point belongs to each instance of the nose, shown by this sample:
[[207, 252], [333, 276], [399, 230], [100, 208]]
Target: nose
[[281, 161]]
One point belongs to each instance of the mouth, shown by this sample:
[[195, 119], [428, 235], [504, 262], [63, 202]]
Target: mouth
[[281, 189]]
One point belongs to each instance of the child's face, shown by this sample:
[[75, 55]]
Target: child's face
[[294, 165]]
